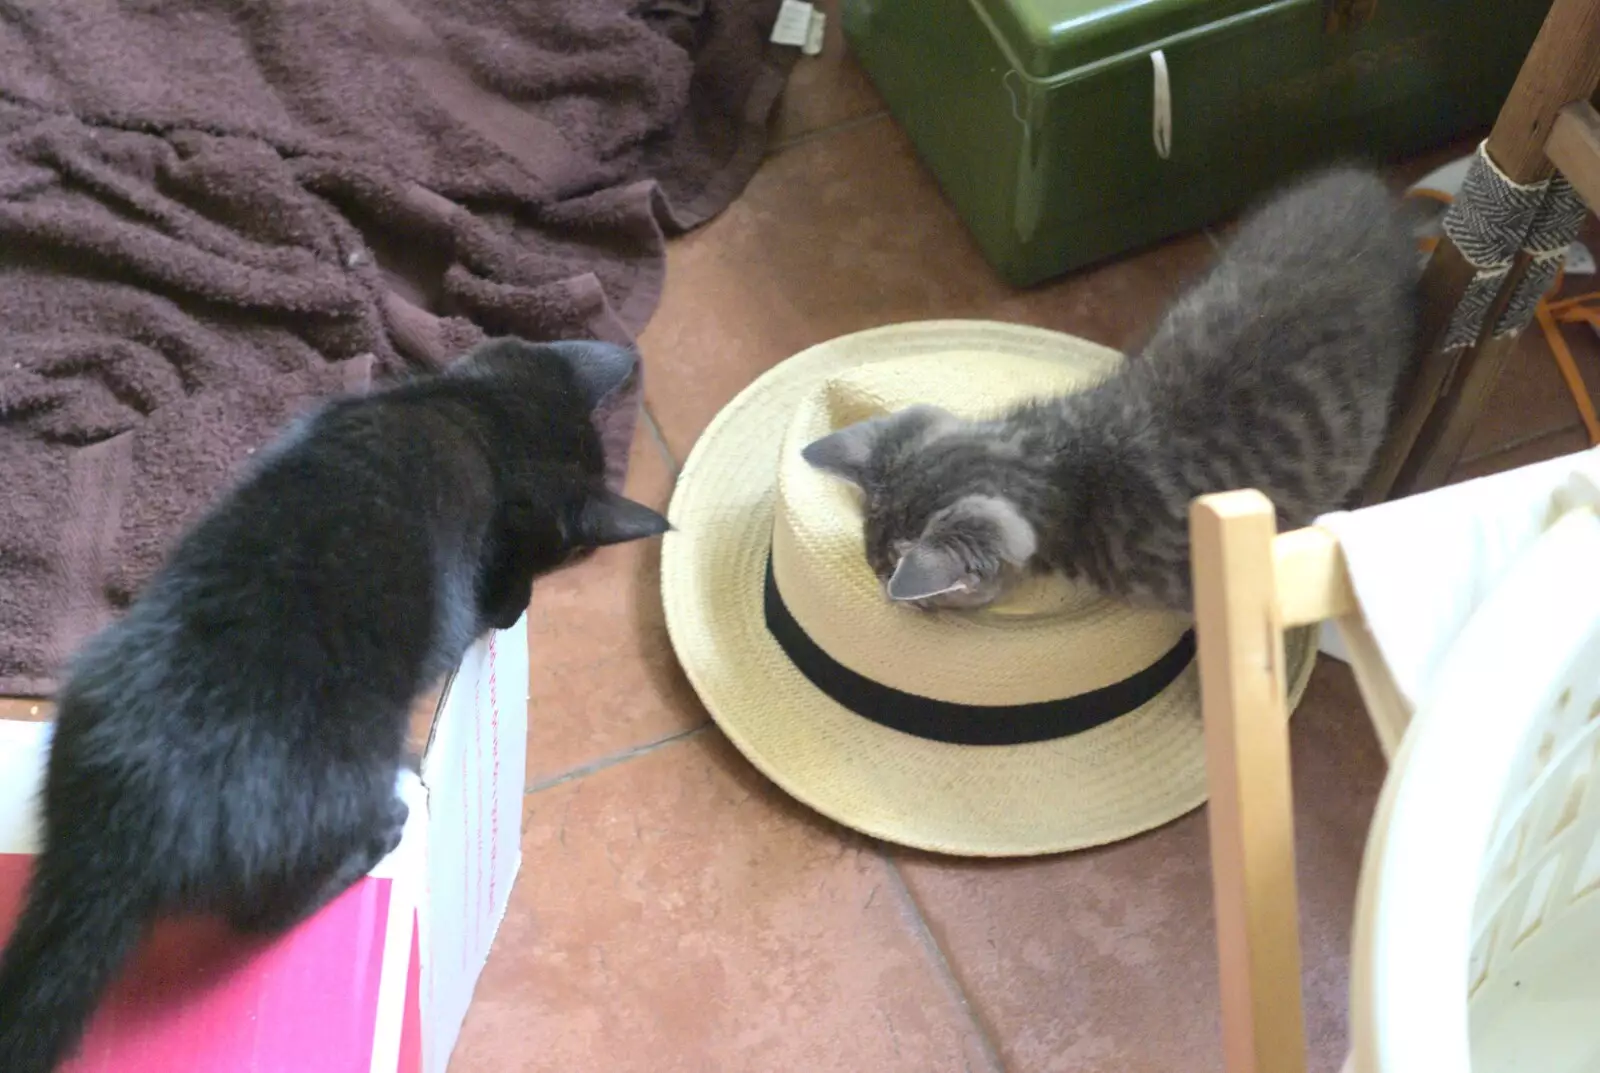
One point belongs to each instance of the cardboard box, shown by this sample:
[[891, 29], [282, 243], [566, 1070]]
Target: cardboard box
[[379, 981]]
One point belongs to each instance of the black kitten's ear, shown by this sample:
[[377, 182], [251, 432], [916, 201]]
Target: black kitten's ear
[[601, 368], [926, 572], [610, 519]]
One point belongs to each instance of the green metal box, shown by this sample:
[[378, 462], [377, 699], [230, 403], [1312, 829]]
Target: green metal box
[[1039, 117]]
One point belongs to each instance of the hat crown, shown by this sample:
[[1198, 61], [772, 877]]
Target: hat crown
[[1047, 639]]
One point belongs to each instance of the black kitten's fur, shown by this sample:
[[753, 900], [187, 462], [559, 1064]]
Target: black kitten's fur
[[231, 745]]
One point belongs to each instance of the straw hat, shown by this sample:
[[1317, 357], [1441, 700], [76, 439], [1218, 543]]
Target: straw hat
[[1052, 721]]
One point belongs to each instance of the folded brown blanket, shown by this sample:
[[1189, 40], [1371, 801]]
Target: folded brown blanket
[[212, 213]]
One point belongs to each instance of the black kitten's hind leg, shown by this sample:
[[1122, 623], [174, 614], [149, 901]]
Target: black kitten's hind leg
[[285, 907]]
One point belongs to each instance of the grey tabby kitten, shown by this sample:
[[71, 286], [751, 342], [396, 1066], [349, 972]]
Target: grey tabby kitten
[[1275, 371]]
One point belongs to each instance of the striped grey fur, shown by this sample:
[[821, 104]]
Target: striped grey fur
[[1275, 371]]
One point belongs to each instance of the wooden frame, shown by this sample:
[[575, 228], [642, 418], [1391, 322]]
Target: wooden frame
[[1546, 123], [1250, 585]]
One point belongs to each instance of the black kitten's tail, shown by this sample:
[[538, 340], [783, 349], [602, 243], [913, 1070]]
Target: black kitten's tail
[[74, 934]]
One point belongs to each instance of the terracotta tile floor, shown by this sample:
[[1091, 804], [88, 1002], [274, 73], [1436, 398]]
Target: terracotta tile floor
[[676, 913]]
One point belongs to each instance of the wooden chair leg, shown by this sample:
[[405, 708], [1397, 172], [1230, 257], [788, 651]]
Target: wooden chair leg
[[1239, 632], [1449, 390]]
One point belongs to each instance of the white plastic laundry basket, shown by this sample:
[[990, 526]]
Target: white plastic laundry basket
[[1477, 936]]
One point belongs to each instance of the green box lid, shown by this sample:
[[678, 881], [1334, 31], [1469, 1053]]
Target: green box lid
[[1046, 39]]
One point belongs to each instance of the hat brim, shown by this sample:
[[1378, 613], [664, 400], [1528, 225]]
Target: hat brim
[[1133, 774]]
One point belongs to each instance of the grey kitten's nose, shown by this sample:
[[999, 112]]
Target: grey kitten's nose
[[600, 367]]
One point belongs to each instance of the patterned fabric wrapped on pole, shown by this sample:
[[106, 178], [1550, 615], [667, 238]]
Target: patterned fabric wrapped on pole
[[1491, 222]]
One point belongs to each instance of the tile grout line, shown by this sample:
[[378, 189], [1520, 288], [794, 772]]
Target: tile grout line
[[942, 965], [821, 132], [593, 766], [654, 431]]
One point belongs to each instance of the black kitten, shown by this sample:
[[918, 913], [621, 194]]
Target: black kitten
[[231, 746]]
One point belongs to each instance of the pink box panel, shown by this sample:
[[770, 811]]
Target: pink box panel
[[198, 999]]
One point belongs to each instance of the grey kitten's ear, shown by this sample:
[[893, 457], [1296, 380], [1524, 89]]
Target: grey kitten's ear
[[925, 572], [846, 453], [608, 518], [1002, 526], [601, 368]]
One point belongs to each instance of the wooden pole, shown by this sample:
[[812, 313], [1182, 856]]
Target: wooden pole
[[1448, 390], [1239, 632]]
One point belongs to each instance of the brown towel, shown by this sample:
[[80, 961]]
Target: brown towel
[[213, 213]]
